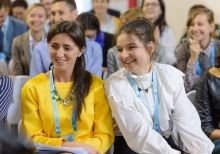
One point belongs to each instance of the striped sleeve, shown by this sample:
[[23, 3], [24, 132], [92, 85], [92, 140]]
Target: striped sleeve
[[6, 89]]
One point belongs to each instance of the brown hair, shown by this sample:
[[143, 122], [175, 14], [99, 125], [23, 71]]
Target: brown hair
[[34, 6], [140, 27], [210, 17], [82, 78], [130, 14]]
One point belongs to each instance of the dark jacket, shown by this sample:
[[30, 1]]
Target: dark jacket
[[111, 12], [208, 102], [107, 45]]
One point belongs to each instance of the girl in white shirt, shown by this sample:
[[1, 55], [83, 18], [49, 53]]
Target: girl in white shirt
[[147, 98]]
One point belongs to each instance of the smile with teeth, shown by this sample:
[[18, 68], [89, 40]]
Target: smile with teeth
[[129, 61], [61, 61]]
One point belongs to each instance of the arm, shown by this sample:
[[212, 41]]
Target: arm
[[111, 68], [6, 90], [168, 41], [31, 119], [186, 119], [16, 49], [37, 65], [94, 58], [204, 108], [136, 129], [188, 67]]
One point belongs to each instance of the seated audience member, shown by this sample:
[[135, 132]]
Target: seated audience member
[[185, 36], [24, 44], [146, 98], [18, 9], [10, 27], [155, 12], [91, 26], [40, 60], [195, 56], [6, 90], [208, 103], [47, 4], [67, 107], [111, 12], [109, 24], [113, 63]]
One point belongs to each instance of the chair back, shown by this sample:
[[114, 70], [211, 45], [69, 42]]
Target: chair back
[[14, 111], [10, 67], [3, 67], [192, 96]]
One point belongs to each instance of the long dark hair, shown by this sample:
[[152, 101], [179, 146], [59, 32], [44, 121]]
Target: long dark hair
[[161, 21], [82, 78]]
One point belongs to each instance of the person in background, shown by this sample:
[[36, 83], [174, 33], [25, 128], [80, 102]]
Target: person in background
[[92, 31], [47, 4], [6, 92], [197, 55], [23, 45], [207, 103], [113, 63], [18, 9], [147, 98], [40, 60], [111, 12], [185, 36], [67, 107], [155, 12], [10, 28], [109, 24]]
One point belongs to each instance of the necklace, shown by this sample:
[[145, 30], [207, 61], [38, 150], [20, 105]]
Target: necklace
[[146, 90], [63, 101]]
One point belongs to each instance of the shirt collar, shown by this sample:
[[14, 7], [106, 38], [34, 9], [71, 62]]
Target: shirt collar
[[208, 50], [31, 40], [5, 24]]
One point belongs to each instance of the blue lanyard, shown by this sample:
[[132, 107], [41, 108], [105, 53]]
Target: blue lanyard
[[69, 138], [198, 66], [156, 104]]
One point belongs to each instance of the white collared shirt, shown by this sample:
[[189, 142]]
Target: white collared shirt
[[135, 120]]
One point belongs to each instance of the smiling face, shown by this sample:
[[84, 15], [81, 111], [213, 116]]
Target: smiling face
[[36, 18], [200, 29], [3, 14], [152, 9], [60, 12], [132, 54], [100, 6], [63, 52]]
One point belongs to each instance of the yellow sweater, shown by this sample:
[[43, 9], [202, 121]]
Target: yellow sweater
[[95, 127]]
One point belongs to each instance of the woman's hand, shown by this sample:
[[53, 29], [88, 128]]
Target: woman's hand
[[195, 49], [87, 147]]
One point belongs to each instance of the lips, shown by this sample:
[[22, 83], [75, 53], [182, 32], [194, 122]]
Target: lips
[[129, 61], [60, 61]]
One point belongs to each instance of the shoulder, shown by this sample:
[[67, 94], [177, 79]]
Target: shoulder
[[5, 81], [21, 37], [91, 43], [42, 46], [17, 23], [183, 46], [36, 82], [116, 78], [97, 83], [169, 70]]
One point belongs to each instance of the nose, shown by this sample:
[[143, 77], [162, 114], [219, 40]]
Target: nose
[[56, 18], [124, 54], [60, 52]]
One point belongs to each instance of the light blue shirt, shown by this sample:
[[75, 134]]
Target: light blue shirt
[[31, 42], [5, 31], [40, 60]]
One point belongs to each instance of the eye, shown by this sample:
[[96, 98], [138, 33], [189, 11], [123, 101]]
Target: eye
[[119, 50], [67, 49], [54, 47], [131, 47]]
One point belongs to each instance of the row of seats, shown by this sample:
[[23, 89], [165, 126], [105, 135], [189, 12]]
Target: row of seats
[[6, 69]]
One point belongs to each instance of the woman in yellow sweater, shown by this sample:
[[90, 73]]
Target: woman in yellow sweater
[[67, 106]]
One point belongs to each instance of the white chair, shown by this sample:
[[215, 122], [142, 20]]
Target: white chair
[[10, 67], [3, 67], [105, 75], [20, 130], [14, 111], [192, 96]]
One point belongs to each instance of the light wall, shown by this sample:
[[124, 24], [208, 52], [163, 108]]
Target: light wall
[[176, 10]]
